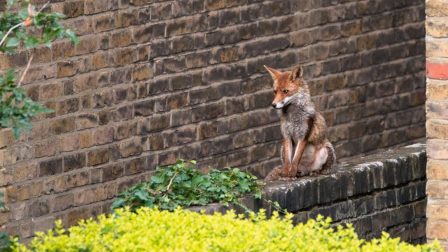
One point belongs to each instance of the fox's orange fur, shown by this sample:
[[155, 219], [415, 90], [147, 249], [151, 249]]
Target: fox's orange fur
[[305, 147]]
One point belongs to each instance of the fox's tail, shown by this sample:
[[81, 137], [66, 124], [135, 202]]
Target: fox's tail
[[331, 159]]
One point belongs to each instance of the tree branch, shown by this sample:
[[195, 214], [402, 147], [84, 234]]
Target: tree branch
[[25, 71]]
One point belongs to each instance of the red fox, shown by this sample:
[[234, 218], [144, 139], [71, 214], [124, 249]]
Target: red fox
[[305, 148]]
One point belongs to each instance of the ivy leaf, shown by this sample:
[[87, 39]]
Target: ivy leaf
[[31, 42], [72, 36], [156, 179], [118, 203], [12, 42], [142, 195]]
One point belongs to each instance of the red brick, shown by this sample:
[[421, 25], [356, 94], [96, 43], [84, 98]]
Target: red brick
[[437, 70]]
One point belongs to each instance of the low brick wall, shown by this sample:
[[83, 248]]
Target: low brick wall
[[380, 192]]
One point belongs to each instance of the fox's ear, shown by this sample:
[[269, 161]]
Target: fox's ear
[[273, 72], [296, 72]]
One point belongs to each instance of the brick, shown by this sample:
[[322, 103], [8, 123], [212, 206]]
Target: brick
[[50, 91], [24, 172], [62, 202], [437, 109], [46, 148], [437, 169], [437, 26], [91, 6], [39, 208], [436, 90], [104, 22], [146, 34], [50, 167], [436, 229], [142, 72], [436, 8], [74, 8], [135, 166], [96, 157], [63, 125], [103, 135], [436, 189], [112, 172], [75, 161], [102, 60], [69, 143], [437, 70], [437, 129], [130, 148], [437, 210], [125, 56]]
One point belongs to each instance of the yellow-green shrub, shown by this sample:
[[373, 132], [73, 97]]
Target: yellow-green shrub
[[181, 230]]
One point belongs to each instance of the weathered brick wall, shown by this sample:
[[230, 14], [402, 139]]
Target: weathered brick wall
[[437, 118], [152, 81], [381, 192]]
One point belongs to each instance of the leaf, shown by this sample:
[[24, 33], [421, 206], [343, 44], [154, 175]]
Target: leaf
[[72, 36], [142, 195], [156, 179], [118, 203], [12, 42]]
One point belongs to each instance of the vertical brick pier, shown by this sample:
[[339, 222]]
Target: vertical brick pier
[[437, 119]]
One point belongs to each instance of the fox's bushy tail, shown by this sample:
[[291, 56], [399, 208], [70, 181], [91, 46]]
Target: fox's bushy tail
[[331, 159]]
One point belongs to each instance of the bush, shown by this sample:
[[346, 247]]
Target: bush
[[182, 230], [183, 185]]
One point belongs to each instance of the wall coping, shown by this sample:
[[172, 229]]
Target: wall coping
[[401, 172]]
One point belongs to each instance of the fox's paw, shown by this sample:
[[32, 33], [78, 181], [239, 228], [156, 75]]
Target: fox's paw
[[274, 174]]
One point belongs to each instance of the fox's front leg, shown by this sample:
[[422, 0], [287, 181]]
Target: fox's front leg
[[300, 148], [287, 157]]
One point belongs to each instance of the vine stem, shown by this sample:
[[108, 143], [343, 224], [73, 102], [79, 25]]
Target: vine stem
[[9, 32], [171, 182], [25, 71]]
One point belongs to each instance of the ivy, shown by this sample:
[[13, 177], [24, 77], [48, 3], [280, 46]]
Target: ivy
[[182, 185], [16, 108]]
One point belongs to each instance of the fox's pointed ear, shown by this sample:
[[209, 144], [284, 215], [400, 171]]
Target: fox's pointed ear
[[273, 72], [296, 72]]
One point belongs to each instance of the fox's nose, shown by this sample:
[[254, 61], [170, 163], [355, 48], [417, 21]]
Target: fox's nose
[[274, 105]]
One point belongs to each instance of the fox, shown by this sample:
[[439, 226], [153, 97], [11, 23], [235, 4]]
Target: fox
[[305, 148]]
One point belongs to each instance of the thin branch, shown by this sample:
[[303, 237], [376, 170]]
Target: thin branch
[[9, 31], [171, 182], [25, 71], [43, 7]]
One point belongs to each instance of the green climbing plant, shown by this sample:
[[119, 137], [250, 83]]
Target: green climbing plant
[[182, 185], [22, 26]]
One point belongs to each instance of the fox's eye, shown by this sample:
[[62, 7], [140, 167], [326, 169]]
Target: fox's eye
[[275, 91], [285, 91]]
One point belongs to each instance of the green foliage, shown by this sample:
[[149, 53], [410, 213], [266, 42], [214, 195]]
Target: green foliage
[[183, 185], [33, 28], [21, 25], [16, 108], [182, 230], [7, 243]]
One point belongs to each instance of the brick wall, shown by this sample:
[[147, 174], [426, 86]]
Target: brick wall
[[381, 192], [437, 119], [152, 81]]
